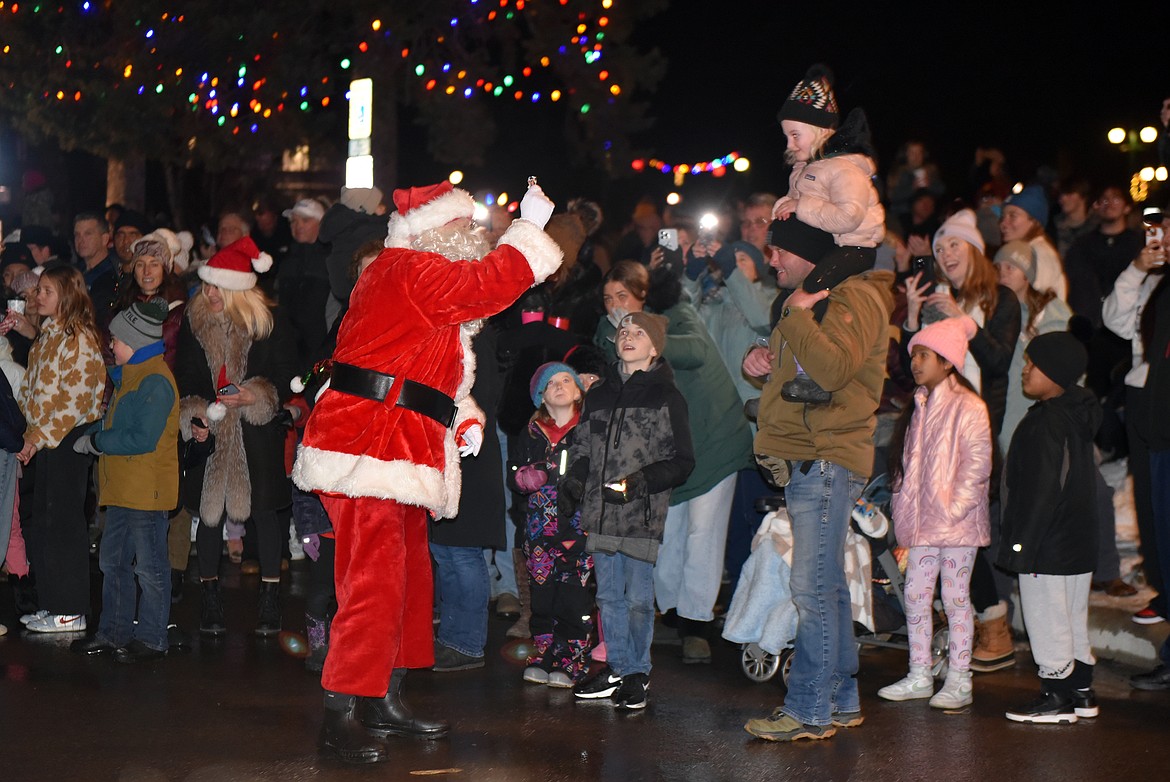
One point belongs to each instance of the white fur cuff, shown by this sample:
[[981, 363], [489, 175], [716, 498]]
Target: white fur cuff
[[544, 256]]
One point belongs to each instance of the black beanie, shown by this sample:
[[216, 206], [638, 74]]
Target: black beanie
[[1060, 356], [586, 359], [811, 244], [812, 100]]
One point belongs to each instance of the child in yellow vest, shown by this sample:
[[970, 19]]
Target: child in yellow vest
[[138, 483]]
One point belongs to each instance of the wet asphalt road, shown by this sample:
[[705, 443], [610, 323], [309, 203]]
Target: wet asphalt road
[[245, 709]]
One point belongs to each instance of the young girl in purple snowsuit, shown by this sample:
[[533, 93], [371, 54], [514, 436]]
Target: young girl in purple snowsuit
[[554, 547]]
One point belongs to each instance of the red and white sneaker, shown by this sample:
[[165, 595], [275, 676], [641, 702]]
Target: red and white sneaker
[[1148, 616], [57, 623]]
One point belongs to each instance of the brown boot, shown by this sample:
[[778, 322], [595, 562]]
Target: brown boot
[[520, 628], [993, 640]]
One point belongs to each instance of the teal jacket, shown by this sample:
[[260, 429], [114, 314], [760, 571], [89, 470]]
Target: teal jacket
[[719, 430]]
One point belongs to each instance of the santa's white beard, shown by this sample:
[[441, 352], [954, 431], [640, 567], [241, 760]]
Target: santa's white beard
[[455, 243]]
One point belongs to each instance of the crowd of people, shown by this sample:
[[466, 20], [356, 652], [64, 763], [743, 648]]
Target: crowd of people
[[576, 426]]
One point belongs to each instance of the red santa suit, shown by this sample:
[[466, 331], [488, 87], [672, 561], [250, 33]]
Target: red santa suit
[[380, 467]]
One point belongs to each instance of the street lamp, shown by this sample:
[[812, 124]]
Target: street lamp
[[1131, 142]]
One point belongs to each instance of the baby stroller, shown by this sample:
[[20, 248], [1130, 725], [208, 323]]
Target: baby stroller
[[762, 617]]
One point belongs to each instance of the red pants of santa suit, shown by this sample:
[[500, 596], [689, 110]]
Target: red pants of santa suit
[[384, 594]]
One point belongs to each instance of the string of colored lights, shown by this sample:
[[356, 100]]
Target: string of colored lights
[[717, 167], [239, 95]]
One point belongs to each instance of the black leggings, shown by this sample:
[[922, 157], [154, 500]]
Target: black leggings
[[321, 597], [209, 545]]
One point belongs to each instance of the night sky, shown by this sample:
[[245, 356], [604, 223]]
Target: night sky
[[1044, 86]]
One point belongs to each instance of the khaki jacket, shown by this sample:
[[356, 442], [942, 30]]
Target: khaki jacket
[[845, 354]]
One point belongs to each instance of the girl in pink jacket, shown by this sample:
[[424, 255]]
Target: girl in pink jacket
[[941, 471]]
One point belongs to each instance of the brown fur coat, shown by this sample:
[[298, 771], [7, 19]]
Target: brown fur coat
[[246, 470]]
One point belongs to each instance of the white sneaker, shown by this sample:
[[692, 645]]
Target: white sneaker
[[26, 618], [956, 691], [560, 680], [917, 684], [535, 674], [57, 623]]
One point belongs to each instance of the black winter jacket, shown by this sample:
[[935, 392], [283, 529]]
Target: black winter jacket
[[639, 425], [1050, 488]]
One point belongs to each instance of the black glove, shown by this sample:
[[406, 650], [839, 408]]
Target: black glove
[[569, 493], [628, 489]]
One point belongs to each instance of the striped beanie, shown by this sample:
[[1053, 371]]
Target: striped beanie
[[812, 100]]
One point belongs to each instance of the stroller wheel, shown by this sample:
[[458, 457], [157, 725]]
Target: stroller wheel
[[758, 665], [940, 644], [786, 657]]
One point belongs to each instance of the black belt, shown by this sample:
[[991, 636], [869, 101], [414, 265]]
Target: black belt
[[370, 384]]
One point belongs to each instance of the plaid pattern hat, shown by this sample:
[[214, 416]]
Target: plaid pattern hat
[[812, 100]]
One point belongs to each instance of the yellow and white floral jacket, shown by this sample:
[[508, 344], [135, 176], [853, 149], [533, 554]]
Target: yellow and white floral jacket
[[64, 384]]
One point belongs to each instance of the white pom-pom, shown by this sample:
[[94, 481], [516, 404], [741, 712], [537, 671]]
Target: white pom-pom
[[297, 385], [216, 411], [262, 263]]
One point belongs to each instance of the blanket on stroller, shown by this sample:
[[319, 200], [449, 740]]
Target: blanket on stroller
[[762, 611]]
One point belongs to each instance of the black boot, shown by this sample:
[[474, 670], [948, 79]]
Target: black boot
[[24, 592], [390, 715], [211, 619], [268, 623], [342, 734], [177, 577], [317, 631]]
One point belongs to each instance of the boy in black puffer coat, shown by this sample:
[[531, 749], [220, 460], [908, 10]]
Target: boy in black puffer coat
[[631, 447]]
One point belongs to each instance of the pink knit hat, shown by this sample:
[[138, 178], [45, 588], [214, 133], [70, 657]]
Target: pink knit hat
[[948, 338]]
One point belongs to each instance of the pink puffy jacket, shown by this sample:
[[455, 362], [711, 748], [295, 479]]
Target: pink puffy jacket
[[836, 194], [943, 498]]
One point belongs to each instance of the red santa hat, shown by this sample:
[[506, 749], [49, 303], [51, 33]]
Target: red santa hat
[[234, 267], [423, 208]]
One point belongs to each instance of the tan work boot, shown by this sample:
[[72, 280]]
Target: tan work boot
[[993, 640], [520, 628]]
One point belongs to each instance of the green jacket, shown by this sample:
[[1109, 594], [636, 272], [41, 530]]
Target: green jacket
[[846, 354], [719, 430], [139, 463]]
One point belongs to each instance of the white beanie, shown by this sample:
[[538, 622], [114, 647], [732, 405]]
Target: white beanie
[[962, 226]]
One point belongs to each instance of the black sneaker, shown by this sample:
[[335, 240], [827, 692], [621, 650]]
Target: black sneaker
[[1157, 679], [1085, 703], [448, 659], [632, 692], [1049, 709], [603, 685]]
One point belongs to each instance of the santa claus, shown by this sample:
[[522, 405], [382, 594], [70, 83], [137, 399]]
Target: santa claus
[[383, 443]]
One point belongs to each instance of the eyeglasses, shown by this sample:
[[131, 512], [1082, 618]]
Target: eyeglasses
[[1111, 199], [758, 222]]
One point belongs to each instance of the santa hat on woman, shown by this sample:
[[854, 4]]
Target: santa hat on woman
[[234, 267], [423, 208]]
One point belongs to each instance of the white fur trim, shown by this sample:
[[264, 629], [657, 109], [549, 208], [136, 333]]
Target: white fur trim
[[227, 279], [365, 476], [398, 232], [216, 411], [262, 263], [439, 211], [297, 385], [542, 253]]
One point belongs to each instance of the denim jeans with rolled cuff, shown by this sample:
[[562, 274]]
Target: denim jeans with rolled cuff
[[820, 499]]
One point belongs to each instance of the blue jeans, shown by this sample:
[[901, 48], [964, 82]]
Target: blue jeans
[[462, 579], [134, 543], [824, 663], [503, 579], [625, 597]]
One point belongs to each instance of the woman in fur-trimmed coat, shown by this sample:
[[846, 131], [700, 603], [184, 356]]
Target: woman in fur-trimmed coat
[[235, 358]]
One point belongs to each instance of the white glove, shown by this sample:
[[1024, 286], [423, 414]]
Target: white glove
[[535, 207], [472, 441], [84, 445]]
